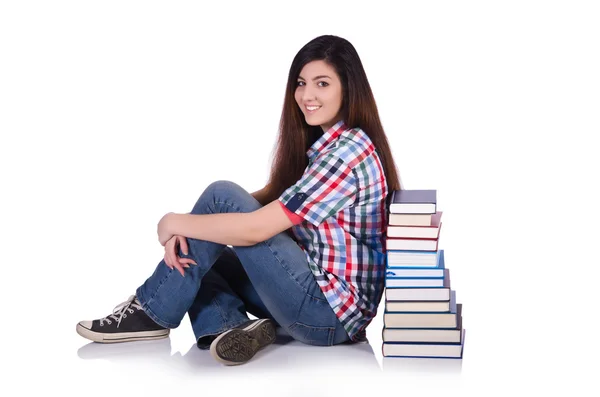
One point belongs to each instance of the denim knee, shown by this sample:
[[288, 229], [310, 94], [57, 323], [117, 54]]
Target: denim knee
[[224, 196]]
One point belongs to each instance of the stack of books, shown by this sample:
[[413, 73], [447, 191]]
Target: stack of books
[[422, 317]]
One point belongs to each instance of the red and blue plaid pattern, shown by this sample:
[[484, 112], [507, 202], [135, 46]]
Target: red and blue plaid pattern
[[341, 199]]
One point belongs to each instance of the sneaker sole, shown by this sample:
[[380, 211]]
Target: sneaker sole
[[121, 337], [237, 346]]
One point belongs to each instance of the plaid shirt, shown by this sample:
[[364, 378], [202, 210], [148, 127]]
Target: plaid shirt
[[339, 212]]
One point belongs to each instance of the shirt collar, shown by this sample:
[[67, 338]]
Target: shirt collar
[[328, 137]]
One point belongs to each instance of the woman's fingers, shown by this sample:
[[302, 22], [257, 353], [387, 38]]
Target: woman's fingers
[[187, 261], [185, 250], [178, 266], [168, 259], [172, 260], [170, 249], [183, 245]]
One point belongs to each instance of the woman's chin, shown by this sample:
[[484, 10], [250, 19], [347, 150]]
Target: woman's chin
[[312, 122]]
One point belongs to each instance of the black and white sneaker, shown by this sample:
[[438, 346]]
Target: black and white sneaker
[[238, 345], [127, 323]]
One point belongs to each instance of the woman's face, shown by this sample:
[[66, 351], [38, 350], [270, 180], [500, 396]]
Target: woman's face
[[319, 94]]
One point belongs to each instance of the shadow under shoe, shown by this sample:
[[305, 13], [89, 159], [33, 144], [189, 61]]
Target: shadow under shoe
[[238, 345], [128, 322]]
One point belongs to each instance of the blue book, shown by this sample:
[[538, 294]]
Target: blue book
[[431, 282], [405, 258], [412, 272], [420, 293]]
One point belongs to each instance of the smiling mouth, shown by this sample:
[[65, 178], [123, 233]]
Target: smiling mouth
[[312, 109]]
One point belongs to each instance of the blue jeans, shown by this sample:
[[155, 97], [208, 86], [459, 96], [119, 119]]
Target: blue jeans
[[270, 279]]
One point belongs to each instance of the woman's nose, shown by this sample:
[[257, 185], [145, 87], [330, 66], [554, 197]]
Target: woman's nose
[[308, 94]]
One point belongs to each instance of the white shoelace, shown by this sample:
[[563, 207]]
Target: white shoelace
[[119, 311]]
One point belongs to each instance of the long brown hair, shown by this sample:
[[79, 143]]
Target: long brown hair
[[358, 110]]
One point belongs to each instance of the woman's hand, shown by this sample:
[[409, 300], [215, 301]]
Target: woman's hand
[[172, 259]]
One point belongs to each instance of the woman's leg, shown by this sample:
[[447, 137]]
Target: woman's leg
[[216, 309], [229, 347], [229, 267], [165, 300], [276, 268], [223, 300]]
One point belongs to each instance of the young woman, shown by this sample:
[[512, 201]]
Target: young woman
[[305, 253]]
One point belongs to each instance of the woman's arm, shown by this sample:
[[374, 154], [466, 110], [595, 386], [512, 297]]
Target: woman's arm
[[239, 229]]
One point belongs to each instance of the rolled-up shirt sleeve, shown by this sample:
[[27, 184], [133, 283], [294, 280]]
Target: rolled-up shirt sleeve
[[327, 187], [295, 219]]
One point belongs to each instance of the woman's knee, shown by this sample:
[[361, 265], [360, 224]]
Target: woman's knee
[[224, 196], [225, 190]]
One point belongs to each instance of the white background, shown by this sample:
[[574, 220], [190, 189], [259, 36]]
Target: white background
[[114, 113]]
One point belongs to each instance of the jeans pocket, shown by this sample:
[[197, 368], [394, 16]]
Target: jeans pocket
[[319, 336]]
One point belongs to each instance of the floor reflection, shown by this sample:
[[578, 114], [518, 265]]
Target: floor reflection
[[284, 355], [395, 365]]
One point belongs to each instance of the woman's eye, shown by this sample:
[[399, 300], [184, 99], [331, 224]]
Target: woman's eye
[[320, 84]]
